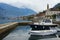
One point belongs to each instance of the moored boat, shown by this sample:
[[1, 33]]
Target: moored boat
[[45, 27]]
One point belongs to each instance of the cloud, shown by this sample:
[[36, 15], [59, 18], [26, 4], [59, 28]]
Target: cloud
[[36, 5]]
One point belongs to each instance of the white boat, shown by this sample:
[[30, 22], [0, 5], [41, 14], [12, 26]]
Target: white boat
[[46, 27]]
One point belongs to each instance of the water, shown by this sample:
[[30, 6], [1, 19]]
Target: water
[[7, 21], [22, 33]]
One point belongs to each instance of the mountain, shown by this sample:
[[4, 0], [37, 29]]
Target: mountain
[[56, 7], [11, 11]]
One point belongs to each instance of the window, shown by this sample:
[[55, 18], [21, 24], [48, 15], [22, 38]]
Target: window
[[47, 21]]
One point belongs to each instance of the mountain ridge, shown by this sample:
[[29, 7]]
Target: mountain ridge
[[11, 11]]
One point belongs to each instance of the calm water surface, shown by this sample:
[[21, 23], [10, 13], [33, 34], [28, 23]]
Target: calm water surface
[[22, 33]]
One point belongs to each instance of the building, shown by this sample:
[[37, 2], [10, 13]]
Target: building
[[41, 15], [58, 17], [49, 14]]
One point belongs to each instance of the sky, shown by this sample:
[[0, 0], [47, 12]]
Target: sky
[[36, 5]]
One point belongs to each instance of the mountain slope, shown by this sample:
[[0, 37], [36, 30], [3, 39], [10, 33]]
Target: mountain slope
[[57, 7], [11, 11]]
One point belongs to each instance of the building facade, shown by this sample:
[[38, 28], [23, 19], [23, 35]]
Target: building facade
[[58, 17], [49, 14]]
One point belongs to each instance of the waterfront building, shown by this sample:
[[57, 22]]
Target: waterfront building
[[49, 14], [58, 17]]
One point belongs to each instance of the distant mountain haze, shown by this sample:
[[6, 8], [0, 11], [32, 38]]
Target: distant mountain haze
[[11, 11]]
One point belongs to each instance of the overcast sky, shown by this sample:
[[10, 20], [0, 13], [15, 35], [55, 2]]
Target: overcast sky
[[36, 5]]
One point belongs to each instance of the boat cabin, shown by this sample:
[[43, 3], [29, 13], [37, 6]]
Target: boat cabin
[[44, 25]]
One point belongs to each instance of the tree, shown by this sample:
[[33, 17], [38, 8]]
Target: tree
[[54, 16]]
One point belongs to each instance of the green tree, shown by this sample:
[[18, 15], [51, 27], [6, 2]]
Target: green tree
[[54, 16]]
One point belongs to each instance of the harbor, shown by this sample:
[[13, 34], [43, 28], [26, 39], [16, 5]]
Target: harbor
[[29, 20], [22, 33], [7, 28]]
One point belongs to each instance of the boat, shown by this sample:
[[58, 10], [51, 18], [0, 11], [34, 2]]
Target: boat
[[45, 27]]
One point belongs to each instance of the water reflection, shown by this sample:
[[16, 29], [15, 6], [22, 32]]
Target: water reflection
[[37, 37], [21, 33]]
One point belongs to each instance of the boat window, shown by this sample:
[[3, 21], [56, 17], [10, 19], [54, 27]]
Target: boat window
[[47, 21], [40, 28], [46, 28]]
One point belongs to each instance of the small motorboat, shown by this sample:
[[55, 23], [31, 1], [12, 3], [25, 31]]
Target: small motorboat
[[45, 27]]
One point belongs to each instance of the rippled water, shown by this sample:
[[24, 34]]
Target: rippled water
[[21, 33]]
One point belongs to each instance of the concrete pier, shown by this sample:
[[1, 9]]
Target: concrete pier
[[24, 23], [6, 28]]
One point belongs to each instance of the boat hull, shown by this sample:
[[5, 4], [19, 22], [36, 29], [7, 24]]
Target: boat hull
[[43, 32]]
